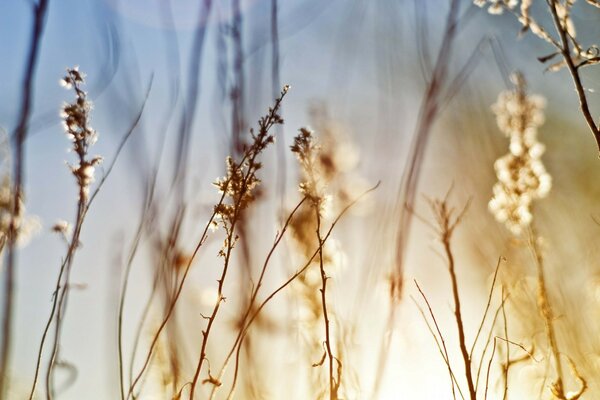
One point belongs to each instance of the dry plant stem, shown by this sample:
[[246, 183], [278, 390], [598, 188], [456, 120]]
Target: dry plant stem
[[508, 363], [250, 155], [446, 223], [545, 308], [289, 281], [231, 238], [170, 309], [254, 295], [213, 316], [269, 122], [165, 253], [574, 72], [333, 385], [39, 14], [79, 223], [457, 312]]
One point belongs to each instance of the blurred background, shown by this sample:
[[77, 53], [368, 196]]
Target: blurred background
[[201, 73]]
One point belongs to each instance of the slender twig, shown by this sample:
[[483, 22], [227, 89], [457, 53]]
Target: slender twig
[[291, 279], [508, 363], [124, 140], [545, 309], [447, 222], [565, 51], [333, 385], [261, 140], [269, 121], [255, 292]]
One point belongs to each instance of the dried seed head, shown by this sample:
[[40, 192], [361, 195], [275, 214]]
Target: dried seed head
[[76, 117]]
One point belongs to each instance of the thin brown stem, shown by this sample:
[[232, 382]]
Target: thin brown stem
[[545, 310], [508, 362], [289, 281], [254, 295], [458, 316], [447, 219], [565, 51], [333, 385], [230, 223]]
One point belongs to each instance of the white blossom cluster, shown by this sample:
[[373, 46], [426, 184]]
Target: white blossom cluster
[[521, 174]]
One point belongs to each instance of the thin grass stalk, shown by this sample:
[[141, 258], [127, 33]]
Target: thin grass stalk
[[333, 385], [176, 296], [289, 281], [565, 51], [230, 244], [121, 146], [508, 362], [179, 289], [261, 140], [457, 312], [269, 121], [253, 297], [545, 310], [39, 17]]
